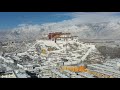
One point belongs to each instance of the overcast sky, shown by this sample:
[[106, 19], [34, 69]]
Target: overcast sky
[[95, 16]]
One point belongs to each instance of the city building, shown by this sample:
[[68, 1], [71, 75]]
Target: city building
[[61, 36]]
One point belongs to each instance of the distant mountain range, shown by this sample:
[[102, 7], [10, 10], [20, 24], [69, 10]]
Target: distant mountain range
[[101, 30]]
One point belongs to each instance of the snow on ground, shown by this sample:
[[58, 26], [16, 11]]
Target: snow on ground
[[2, 58], [69, 50], [48, 43]]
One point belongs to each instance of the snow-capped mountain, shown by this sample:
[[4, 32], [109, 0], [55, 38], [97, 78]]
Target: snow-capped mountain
[[101, 30]]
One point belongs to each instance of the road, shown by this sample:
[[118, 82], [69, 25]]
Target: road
[[86, 54]]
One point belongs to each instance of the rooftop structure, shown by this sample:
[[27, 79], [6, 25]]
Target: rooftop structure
[[60, 35]]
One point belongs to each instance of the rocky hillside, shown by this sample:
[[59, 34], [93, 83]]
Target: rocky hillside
[[102, 30]]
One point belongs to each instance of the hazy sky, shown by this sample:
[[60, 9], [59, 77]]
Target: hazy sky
[[13, 19]]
